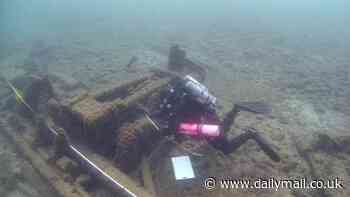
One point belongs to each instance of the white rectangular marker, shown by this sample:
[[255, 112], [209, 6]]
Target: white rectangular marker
[[182, 167]]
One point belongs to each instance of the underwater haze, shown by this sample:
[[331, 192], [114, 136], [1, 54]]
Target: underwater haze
[[291, 54], [319, 20]]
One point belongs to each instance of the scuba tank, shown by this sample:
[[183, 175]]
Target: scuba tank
[[198, 92]]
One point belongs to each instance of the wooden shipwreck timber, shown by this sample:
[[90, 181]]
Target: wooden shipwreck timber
[[91, 123], [105, 141]]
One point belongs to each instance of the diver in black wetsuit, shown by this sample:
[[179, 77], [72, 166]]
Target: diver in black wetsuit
[[187, 100]]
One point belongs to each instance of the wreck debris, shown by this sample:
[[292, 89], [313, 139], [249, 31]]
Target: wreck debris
[[306, 155], [103, 176], [42, 135], [264, 145], [38, 162], [73, 152], [132, 61], [64, 148], [178, 62], [71, 168], [103, 118], [147, 175], [93, 168], [60, 145], [326, 143], [127, 150], [109, 122], [132, 142], [38, 93]]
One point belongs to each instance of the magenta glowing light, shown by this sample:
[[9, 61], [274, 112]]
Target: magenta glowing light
[[194, 129]]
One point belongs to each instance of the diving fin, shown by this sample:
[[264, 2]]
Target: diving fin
[[255, 107]]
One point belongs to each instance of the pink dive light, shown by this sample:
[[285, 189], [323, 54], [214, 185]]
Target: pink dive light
[[210, 130], [194, 129]]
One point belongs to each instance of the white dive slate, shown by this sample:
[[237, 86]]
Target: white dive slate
[[182, 167]]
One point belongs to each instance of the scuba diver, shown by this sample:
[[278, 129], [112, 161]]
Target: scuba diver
[[188, 108]]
